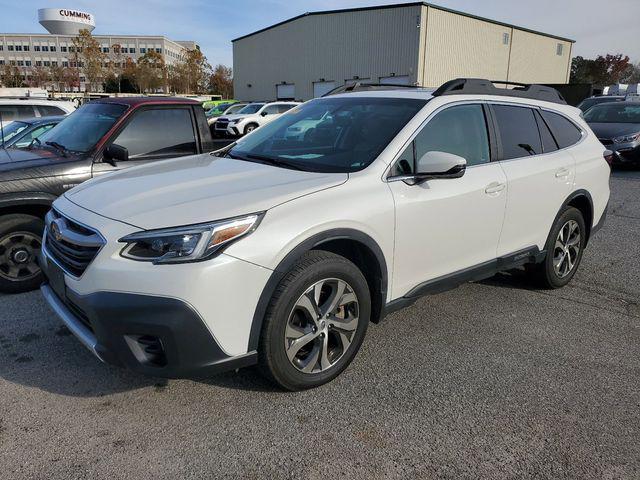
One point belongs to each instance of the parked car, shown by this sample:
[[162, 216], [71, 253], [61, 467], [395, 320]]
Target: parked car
[[280, 252], [587, 103], [20, 133], [251, 117], [18, 109], [100, 137], [225, 109], [617, 126], [209, 104]]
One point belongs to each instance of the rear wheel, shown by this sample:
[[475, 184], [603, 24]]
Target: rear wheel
[[20, 243], [564, 249], [316, 322]]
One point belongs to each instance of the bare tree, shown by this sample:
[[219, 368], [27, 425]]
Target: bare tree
[[92, 58], [11, 76]]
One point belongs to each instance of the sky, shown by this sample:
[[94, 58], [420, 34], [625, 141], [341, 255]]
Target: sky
[[599, 27]]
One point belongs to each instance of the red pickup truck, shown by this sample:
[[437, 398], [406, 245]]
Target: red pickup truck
[[99, 137]]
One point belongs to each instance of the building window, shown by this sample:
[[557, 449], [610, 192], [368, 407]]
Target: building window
[[36, 48], [559, 49], [18, 48], [1, 47], [158, 50], [105, 49], [63, 49], [132, 50], [21, 63], [505, 38], [38, 63], [27, 63], [54, 63], [26, 48], [124, 50], [10, 48], [47, 63], [45, 48], [143, 50], [1, 62], [65, 64], [52, 48]]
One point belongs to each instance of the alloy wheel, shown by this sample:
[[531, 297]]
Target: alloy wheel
[[321, 325], [19, 256], [566, 249]]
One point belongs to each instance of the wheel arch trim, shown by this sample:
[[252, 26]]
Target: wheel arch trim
[[295, 254]]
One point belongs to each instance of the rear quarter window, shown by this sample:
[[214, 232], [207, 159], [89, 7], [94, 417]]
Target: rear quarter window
[[565, 131]]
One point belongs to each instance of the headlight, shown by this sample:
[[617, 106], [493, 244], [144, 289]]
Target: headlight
[[187, 244], [627, 138]]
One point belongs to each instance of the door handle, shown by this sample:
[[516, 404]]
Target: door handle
[[494, 188], [562, 173]]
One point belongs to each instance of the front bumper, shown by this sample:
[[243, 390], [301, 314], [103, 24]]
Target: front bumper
[[156, 336]]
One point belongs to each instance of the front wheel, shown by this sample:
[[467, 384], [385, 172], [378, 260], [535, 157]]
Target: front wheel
[[250, 128], [315, 323], [20, 242], [564, 249]]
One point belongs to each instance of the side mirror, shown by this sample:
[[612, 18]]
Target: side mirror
[[116, 153], [264, 114], [433, 165]]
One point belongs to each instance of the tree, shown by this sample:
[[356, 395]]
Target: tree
[[632, 75], [221, 81], [92, 58], [116, 64], [39, 77], [11, 76], [191, 75], [604, 70], [150, 72]]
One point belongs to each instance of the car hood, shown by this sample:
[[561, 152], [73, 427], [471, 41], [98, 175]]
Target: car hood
[[236, 116], [18, 163], [611, 130], [195, 189]]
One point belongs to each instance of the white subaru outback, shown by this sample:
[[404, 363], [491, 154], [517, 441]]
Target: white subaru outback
[[279, 250]]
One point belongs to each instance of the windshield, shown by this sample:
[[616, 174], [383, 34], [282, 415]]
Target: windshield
[[251, 108], [234, 109], [12, 129], [619, 112], [330, 134], [80, 131]]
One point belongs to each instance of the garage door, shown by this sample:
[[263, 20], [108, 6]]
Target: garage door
[[286, 92], [320, 88], [396, 80]]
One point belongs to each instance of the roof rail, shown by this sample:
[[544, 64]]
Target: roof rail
[[360, 87], [479, 86]]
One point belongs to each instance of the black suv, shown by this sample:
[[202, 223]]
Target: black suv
[[100, 137]]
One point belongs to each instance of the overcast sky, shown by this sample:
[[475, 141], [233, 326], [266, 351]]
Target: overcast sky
[[599, 27]]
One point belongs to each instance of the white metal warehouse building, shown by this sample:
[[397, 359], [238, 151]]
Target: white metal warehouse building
[[410, 43]]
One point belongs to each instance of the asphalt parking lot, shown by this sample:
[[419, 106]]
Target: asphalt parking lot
[[491, 380]]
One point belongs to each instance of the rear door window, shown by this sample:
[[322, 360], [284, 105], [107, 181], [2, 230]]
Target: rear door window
[[564, 131], [50, 110], [159, 133], [518, 131], [548, 142]]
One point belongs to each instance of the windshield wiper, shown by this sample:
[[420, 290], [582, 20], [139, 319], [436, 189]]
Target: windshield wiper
[[61, 148], [275, 162]]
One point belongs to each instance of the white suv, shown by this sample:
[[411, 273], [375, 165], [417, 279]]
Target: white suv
[[18, 109], [279, 250], [251, 117]]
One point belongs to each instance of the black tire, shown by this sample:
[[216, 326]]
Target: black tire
[[250, 128], [545, 274], [315, 266], [19, 232]]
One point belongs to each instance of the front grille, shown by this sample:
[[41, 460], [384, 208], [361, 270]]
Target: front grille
[[221, 125], [72, 246], [606, 141]]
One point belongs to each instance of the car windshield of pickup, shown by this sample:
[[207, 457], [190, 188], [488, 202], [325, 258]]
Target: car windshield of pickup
[[81, 130], [340, 134]]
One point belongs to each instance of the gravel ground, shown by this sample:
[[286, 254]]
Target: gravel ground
[[491, 380]]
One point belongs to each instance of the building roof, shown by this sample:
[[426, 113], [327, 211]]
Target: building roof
[[400, 5]]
